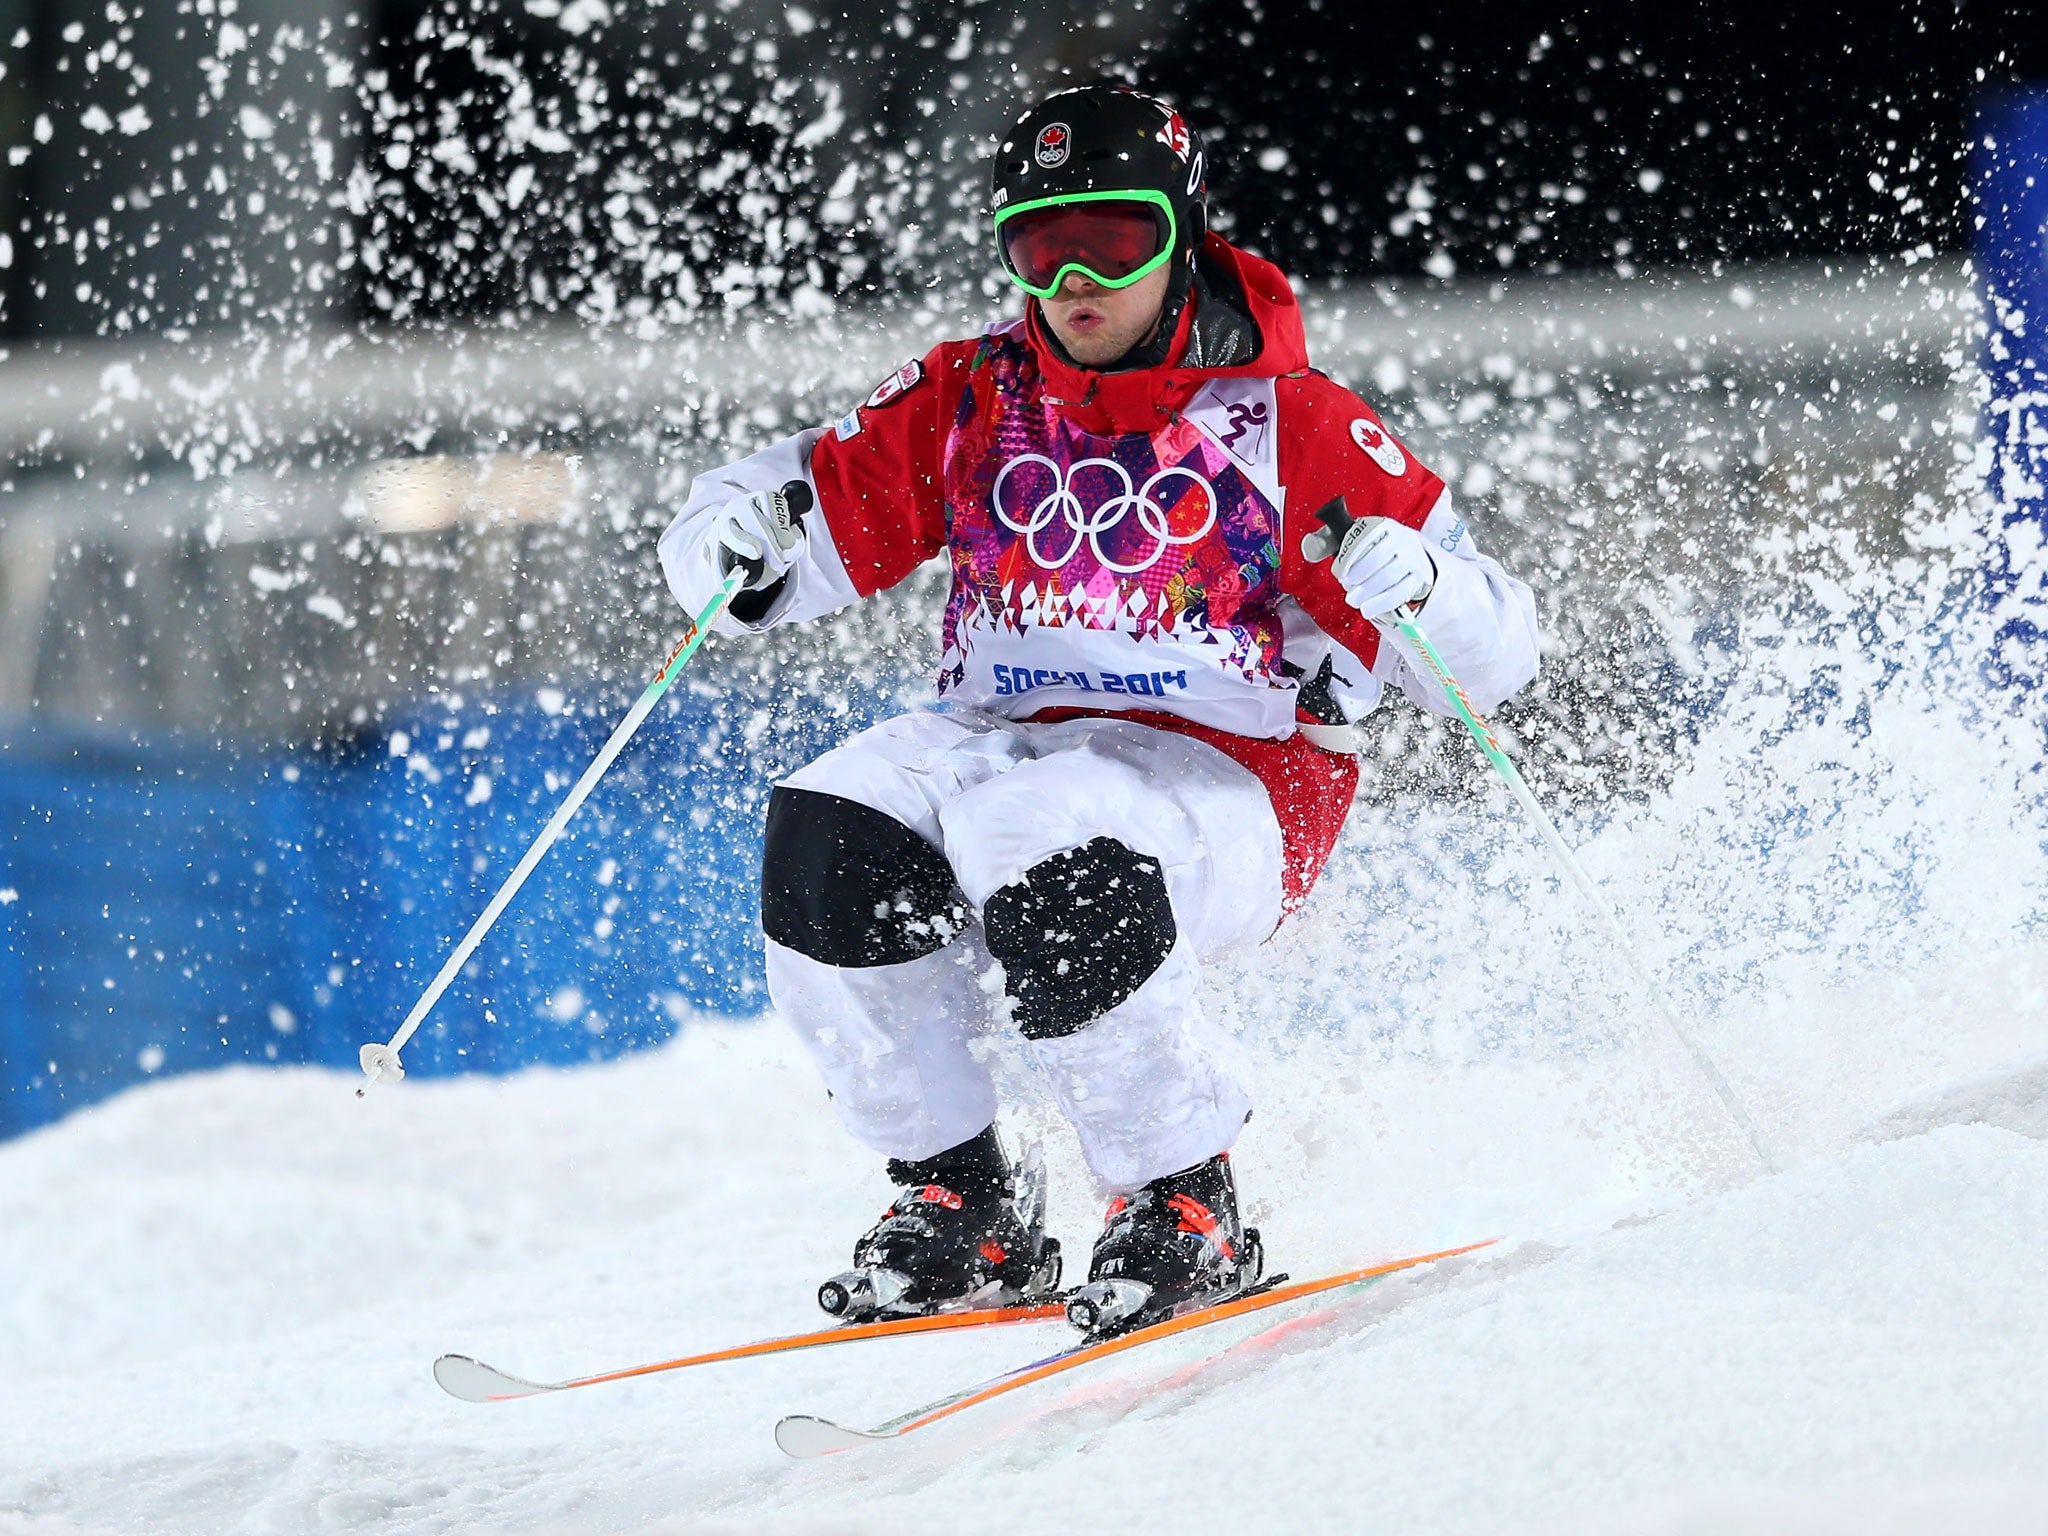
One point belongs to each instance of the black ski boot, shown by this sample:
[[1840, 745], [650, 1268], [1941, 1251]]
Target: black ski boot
[[1175, 1245], [967, 1230]]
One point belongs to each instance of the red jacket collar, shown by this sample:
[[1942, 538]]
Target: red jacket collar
[[1146, 399]]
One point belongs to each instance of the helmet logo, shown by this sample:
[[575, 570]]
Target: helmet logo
[[1174, 135], [1054, 143]]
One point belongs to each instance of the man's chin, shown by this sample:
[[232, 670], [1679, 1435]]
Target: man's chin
[[1094, 350]]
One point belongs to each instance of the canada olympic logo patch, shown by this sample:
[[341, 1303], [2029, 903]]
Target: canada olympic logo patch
[[1054, 144], [1376, 445], [902, 379]]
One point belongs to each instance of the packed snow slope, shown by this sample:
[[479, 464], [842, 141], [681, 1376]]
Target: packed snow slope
[[220, 1296], [224, 1292]]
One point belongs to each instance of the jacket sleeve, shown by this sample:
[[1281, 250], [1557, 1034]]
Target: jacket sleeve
[[1481, 620], [877, 499]]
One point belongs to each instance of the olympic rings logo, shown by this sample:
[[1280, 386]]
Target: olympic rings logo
[[1063, 504]]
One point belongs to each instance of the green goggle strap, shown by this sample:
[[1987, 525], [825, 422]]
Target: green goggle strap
[[1157, 199]]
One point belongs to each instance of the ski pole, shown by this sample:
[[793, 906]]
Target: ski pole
[[380, 1062], [1337, 518]]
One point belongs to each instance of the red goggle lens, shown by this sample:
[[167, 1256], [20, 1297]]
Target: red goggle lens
[[1109, 240]]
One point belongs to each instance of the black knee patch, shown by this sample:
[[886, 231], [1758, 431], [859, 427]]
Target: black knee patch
[[849, 886], [1079, 934]]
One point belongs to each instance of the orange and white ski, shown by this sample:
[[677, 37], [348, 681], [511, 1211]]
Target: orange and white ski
[[474, 1382], [804, 1436]]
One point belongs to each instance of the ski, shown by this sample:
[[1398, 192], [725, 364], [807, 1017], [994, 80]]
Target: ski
[[805, 1436], [475, 1382]]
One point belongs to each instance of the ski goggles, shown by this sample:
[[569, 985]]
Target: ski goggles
[[1111, 238]]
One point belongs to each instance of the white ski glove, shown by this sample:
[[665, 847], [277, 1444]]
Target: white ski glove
[[762, 533], [1383, 565]]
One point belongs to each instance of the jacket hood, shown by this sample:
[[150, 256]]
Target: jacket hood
[[1146, 399]]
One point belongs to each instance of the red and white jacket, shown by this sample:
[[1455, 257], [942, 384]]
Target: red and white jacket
[[1130, 541]]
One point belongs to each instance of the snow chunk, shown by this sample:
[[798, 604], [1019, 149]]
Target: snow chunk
[[94, 119], [118, 379], [263, 579], [9, 896], [828, 123], [580, 16]]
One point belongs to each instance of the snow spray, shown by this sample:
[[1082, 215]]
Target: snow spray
[[1337, 519], [380, 1061]]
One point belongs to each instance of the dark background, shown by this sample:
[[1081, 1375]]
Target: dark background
[[1762, 124], [1439, 139]]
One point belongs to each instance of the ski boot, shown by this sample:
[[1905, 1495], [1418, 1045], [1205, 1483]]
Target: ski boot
[[1174, 1245], [966, 1231]]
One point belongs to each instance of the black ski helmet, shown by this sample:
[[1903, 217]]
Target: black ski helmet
[[1106, 138]]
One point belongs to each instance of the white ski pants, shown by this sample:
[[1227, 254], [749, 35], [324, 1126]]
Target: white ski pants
[[1142, 1084]]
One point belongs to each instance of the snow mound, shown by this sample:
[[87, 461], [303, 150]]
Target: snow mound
[[223, 1294], [2014, 1097]]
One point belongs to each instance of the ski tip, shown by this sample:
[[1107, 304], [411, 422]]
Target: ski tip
[[475, 1382], [804, 1437]]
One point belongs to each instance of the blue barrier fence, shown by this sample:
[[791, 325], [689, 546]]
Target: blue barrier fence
[[168, 907], [2011, 184]]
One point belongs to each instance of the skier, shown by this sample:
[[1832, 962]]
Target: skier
[[1142, 753]]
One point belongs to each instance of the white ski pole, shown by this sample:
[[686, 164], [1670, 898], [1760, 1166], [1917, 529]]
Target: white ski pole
[[380, 1061], [1336, 517]]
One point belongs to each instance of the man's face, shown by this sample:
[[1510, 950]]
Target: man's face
[[1098, 325]]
